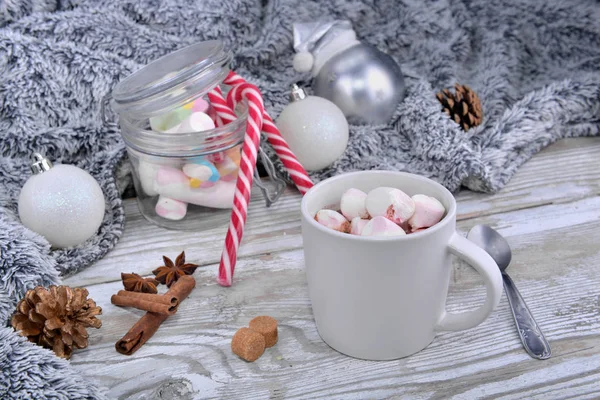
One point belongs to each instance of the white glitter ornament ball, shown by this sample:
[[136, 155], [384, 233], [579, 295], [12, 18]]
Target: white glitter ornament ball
[[63, 203], [315, 129]]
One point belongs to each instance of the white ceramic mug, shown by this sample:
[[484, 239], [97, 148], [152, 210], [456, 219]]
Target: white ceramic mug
[[382, 298]]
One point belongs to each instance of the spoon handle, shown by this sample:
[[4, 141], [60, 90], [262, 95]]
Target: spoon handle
[[531, 336]]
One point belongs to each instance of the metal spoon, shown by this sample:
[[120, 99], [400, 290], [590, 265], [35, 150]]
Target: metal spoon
[[496, 246]]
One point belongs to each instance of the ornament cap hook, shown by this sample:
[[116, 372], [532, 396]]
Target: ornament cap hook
[[40, 164], [297, 93]]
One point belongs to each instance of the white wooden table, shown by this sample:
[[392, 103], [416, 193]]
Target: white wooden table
[[550, 214]]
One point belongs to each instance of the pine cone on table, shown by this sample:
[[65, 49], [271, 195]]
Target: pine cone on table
[[463, 106], [57, 318]]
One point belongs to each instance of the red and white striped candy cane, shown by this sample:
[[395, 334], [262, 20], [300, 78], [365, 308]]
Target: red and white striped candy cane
[[225, 114], [244, 181], [283, 151], [288, 159]]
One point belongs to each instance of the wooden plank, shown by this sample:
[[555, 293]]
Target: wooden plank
[[278, 228], [556, 266]]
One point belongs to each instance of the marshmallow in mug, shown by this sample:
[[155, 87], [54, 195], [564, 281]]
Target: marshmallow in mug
[[381, 226], [428, 212], [383, 211], [353, 204], [333, 220], [357, 225], [391, 203]]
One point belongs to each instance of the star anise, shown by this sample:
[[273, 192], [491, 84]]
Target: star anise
[[135, 283], [171, 272]]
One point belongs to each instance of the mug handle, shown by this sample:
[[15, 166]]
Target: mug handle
[[488, 269]]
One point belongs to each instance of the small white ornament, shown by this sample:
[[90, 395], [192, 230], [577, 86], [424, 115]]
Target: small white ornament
[[63, 203], [314, 128]]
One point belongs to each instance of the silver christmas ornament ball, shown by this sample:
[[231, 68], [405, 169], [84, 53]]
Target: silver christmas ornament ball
[[365, 83]]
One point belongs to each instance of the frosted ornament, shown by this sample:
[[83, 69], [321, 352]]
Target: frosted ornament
[[314, 128], [63, 203]]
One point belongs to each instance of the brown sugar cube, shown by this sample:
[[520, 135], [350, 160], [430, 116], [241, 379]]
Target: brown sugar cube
[[266, 326], [248, 344]]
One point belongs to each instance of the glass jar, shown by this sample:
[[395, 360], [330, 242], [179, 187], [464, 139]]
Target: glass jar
[[184, 168]]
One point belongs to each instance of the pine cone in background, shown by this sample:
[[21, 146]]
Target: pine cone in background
[[57, 318], [463, 106]]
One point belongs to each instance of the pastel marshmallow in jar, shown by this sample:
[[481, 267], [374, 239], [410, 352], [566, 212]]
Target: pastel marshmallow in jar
[[169, 122], [175, 184], [196, 122], [235, 153], [228, 169], [381, 226], [147, 172], [202, 173], [333, 220], [168, 178], [172, 209], [390, 203], [198, 105], [353, 204], [191, 117], [216, 157], [428, 212]]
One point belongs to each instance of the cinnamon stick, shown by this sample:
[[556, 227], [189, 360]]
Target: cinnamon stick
[[160, 298], [150, 322], [156, 303]]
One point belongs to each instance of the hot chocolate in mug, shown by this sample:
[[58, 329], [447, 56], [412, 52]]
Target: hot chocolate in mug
[[383, 298]]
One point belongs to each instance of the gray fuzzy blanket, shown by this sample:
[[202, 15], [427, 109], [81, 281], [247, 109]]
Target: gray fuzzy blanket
[[534, 64]]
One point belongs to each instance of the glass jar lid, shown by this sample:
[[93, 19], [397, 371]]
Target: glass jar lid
[[172, 81]]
